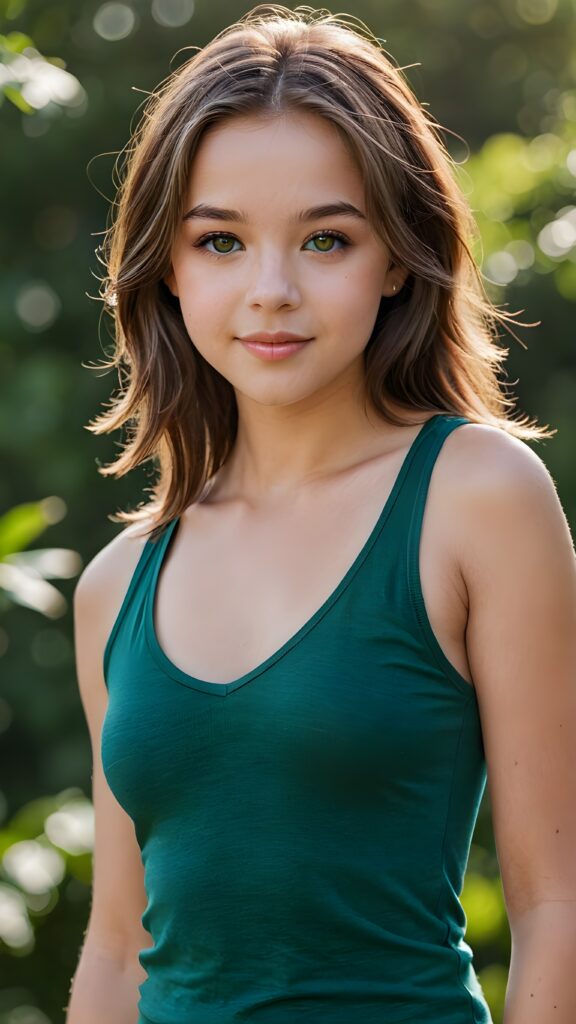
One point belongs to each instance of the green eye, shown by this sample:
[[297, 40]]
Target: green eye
[[223, 244], [325, 239], [228, 241], [324, 242]]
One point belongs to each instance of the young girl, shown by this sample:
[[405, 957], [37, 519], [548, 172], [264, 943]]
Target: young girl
[[353, 590]]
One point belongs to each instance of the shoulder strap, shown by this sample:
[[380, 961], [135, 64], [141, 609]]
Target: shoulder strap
[[141, 579], [415, 490], [414, 477], [414, 519]]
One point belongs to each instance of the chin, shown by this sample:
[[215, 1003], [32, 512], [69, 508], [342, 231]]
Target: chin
[[276, 395]]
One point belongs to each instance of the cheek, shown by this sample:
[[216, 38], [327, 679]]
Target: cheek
[[364, 282], [201, 298], [356, 299], [206, 320]]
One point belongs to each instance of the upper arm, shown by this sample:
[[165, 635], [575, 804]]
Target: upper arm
[[518, 561], [118, 893]]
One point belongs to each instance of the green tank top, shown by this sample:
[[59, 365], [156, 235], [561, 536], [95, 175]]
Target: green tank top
[[305, 829]]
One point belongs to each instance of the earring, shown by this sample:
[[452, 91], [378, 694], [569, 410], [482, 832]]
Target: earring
[[394, 287]]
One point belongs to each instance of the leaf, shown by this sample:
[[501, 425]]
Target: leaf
[[17, 42], [48, 563], [12, 94], [24, 523], [31, 592], [11, 9]]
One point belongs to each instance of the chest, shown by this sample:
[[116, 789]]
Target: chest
[[236, 587]]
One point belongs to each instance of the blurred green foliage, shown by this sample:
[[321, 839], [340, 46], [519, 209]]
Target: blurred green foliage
[[23, 574], [501, 76]]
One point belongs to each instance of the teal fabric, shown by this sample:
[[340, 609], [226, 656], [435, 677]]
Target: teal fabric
[[305, 828]]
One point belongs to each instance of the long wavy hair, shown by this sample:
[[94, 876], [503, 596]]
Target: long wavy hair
[[434, 347]]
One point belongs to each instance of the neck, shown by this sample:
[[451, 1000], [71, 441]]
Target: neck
[[279, 449]]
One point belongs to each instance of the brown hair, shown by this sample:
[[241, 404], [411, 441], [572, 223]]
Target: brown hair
[[434, 345]]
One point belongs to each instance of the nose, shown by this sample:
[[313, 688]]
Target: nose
[[272, 282]]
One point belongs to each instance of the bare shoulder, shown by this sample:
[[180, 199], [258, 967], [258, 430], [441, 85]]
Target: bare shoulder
[[498, 489], [481, 456], [98, 596], [106, 576], [484, 466]]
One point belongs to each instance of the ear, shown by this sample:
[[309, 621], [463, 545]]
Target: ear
[[394, 280]]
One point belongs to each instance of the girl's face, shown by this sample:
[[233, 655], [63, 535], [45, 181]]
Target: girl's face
[[265, 261]]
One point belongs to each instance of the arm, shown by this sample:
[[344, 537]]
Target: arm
[[517, 560], [105, 985], [103, 990]]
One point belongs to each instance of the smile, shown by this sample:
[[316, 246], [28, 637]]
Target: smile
[[273, 351]]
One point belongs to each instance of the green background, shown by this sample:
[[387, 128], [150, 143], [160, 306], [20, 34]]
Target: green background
[[501, 77]]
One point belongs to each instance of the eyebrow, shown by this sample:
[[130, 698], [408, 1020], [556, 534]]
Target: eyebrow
[[338, 209]]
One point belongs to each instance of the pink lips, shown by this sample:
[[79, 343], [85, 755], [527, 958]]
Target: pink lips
[[278, 338], [276, 346]]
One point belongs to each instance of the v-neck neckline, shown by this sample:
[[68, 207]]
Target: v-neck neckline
[[222, 689]]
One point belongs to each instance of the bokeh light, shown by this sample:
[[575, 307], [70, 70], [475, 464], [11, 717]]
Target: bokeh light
[[34, 867], [25, 1014], [72, 827], [501, 267], [542, 152], [114, 21], [522, 253], [37, 305], [15, 928], [536, 12], [558, 237], [172, 13]]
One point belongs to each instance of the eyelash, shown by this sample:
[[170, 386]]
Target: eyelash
[[201, 243]]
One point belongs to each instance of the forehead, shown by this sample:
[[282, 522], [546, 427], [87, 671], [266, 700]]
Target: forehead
[[291, 158]]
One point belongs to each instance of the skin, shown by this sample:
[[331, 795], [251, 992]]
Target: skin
[[303, 416], [312, 466], [297, 499], [306, 481]]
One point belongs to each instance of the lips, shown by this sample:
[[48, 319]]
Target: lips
[[271, 351], [277, 338]]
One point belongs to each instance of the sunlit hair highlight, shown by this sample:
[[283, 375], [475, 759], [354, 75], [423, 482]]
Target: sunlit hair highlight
[[434, 347]]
